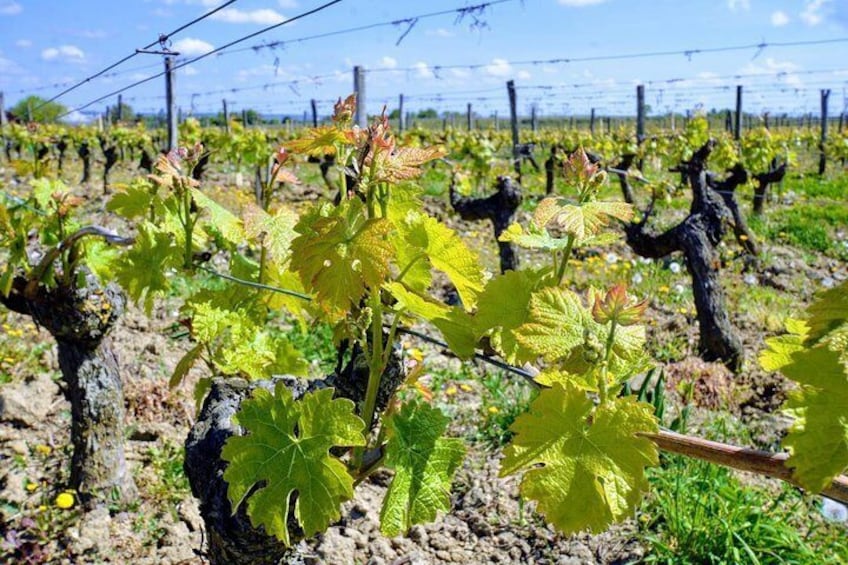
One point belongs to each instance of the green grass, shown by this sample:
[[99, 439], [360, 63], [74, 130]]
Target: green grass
[[506, 398], [701, 513], [316, 344], [835, 188], [809, 226]]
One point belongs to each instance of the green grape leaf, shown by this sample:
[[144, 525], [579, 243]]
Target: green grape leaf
[[318, 141], [209, 320], [142, 269], [339, 253], [454, 323], [503, 306], [257, 354], [818, 439], [275, 232], [133, 202], [584, 465], [446, 252], [533, 238], [287, 450], [424, 463], [829, 311], [580, 220], [556, 319], [43, 190], [185, 364], [218, 219], [100, 258], [558, 326], [779, 349]]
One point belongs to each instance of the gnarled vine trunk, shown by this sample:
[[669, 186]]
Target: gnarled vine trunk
[[500, 208], [80, 320], [775, 174], [697, 237]]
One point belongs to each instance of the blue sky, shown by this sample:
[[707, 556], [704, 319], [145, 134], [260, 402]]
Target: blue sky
[[47, 42]]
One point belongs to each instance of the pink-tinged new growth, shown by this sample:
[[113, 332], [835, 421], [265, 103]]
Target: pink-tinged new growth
[[343, 110], [617, 306], [278, 173], [578, 169]]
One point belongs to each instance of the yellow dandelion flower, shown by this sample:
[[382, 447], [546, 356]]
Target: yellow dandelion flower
[[43, 449], [31, 486], [450, 391], [493, 410], [64, 500], [465, 388]]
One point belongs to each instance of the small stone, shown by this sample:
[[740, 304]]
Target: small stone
[[440, 541], [189, 513], [335, 548], [418, 534], [93, 530], [444, 555], [359, 539], [19, 446], [28, 403]]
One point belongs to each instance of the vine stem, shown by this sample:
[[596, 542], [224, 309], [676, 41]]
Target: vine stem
[[569, 243], [740, 458]]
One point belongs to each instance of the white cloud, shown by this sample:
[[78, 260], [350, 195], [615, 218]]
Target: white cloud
[[735, 5], [65, 53], [812, 14], [190, 71], [23, 43], [76, 117], [192, 46], [8, 8], [388, 62], [499, 68], [779, 18], [440, 32], [523, 75], [783, 69], [580, 3], [234, 16], [422, 70], [287, 4]]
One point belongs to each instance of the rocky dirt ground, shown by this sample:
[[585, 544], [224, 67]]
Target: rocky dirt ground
[[487, 524]]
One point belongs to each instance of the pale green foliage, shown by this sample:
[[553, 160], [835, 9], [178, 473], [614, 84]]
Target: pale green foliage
[[561, 329], [217, 219], [142, 270], [814, 355], [339, 253], [424, 463], [287, 449], [584, 465], [503, 307], [230, 324], [583, 220], [439, 245], [137, 199], [275, 231]]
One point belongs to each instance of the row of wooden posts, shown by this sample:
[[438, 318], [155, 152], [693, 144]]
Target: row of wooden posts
[[733, 121]]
